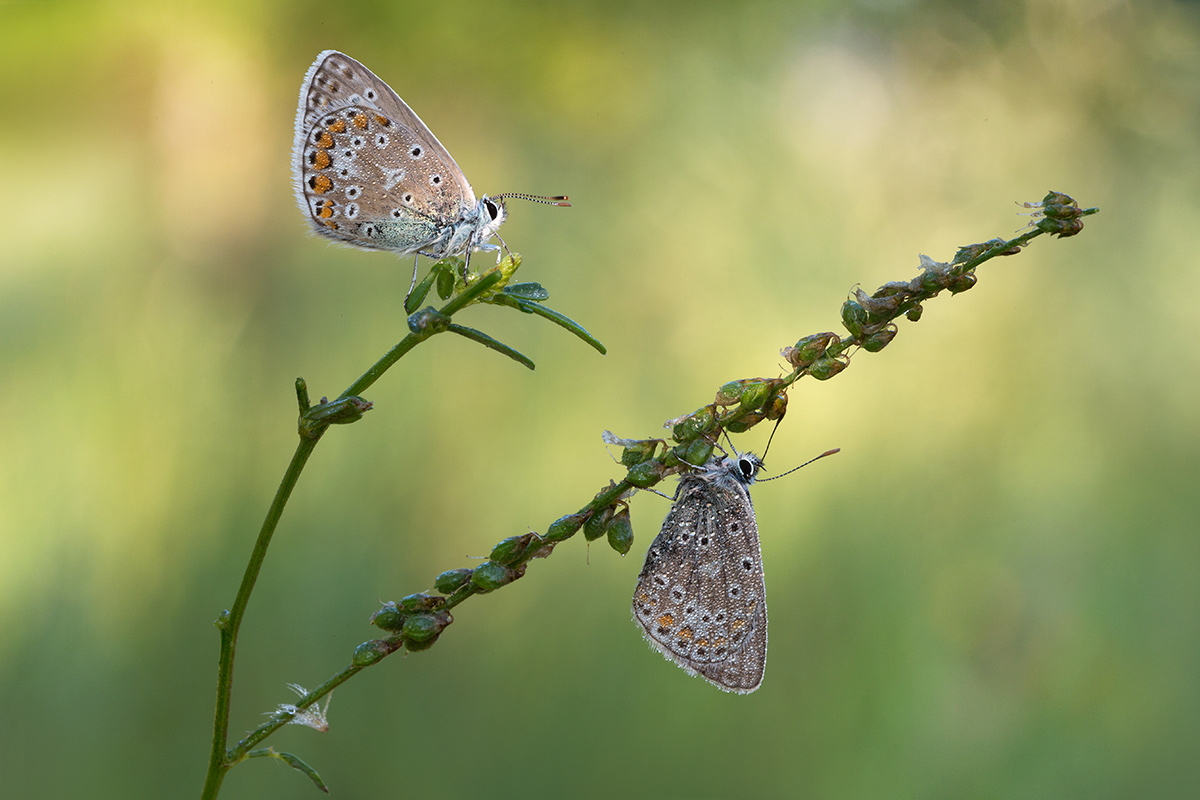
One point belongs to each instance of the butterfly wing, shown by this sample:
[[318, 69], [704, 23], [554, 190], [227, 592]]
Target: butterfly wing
[[367, 170], [701, 598]]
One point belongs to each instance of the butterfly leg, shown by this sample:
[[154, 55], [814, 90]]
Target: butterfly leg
[[504, 245], [413, 285], [490, 247]]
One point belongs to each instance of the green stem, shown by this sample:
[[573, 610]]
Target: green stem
[[220, 761], [413, 339], [230, 621]]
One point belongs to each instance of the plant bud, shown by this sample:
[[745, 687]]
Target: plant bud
[[452, 580]]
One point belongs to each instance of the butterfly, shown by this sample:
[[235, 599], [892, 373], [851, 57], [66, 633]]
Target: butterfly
[[369, 173]]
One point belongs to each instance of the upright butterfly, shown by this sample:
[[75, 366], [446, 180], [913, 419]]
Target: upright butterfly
[[369, 173]]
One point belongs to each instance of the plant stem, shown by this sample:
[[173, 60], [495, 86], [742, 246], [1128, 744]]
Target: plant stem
[[230, 621], [220, 760]]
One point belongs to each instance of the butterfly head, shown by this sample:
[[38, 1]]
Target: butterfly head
[[491, 213], [740, 467], [746, 467]]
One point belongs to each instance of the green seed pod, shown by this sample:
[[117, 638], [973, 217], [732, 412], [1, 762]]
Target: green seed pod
[[451, 580], [777, 407], [490, 576], [420, 602], [620, 532], [637, 453], [744, 422], [825, 368], [883, 306], [879, 340], [422, 627], [413, 646], [962, 282], [1059, 227], [695, 424], [731, 392], [1057, 205], [695, 452], [564, 527], [854, 317], [645, 474], [914, 313], [757, 393], [370, 652], [511, 549], [389, 618], [933, 281], [809, 349], [597, 524], [970, 251]]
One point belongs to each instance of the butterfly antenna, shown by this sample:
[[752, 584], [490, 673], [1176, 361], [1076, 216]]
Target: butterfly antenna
[[805, 464], [533, 198], [767, 449]]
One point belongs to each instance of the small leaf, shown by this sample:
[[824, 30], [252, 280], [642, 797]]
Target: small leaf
[[562, 320], [487, 341], [445, 283], [295, 762], [417, 296], [528, 291]]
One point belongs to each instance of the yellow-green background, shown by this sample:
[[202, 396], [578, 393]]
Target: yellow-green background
[[991, 592]]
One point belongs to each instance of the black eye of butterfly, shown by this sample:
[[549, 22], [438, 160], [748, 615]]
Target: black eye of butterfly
[[493, 212]]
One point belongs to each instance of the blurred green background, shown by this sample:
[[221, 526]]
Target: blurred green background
[[993, 591]]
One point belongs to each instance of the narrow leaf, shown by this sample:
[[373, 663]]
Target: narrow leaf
[[487, 341], [563, 321], [445, 283], [414, 300], [528, 291], [295, 762]]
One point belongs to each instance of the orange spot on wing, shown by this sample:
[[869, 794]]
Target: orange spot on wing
[[338, 126], [321, 159], [667, 621], [360, 121], [382, 120], [325, 140], [320, 184]]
